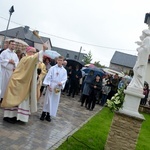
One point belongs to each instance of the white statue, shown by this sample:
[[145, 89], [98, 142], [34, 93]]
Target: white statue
[[142, 59]]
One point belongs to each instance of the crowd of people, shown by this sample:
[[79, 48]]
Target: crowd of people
[[22, 79], [25, 77], [94, 89], [98, 89]]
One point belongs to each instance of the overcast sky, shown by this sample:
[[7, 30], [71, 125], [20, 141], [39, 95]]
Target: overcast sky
[[104, 25]]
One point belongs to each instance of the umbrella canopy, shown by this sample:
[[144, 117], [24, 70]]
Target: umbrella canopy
[[20, 44], [51, 54], [113, 72], [74, 63], [127, 79], [90, 65], [96, 71]]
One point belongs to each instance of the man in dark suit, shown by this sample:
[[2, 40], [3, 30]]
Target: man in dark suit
[[74, 81]]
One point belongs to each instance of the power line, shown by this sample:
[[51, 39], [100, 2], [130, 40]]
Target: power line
[[90, 44], [87, 43], [11, 21]]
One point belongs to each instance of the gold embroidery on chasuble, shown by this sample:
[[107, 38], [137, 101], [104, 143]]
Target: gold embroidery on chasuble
[[19, 84]]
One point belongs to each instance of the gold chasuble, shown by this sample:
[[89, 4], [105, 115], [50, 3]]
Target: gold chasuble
[[42, 66], [19, 86]]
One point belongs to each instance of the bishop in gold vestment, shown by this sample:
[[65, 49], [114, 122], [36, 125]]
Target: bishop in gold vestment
[[21, 96]]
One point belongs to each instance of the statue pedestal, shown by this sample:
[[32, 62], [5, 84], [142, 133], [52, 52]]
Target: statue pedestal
[[126, 123], [123, 133], [132, 101]]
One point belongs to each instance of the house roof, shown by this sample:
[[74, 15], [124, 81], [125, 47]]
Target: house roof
[[24, 33], [62, 49], [69, 54], [123, 59]]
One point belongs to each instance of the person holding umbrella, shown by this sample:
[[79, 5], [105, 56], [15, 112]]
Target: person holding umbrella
[[96, 87], [86, 88], [74, 81]]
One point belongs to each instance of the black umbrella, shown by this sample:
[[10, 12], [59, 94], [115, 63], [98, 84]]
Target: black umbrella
[[96, 71], [74, 63]]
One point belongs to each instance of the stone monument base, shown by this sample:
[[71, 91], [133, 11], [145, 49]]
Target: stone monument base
[[132, 101], [124, 132]]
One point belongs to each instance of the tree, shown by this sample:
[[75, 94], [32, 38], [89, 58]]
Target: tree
[[97, 64], [88, 58]]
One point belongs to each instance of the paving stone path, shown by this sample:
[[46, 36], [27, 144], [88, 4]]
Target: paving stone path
[[43, 135]]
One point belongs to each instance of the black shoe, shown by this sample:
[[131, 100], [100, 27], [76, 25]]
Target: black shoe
[[43, 116], [48, 117], [81, 104], [91, 109], [5, 118], [68, 95], [14, 119], [10, 120]]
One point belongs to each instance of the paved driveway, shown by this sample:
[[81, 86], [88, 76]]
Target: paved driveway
[[43, 135]]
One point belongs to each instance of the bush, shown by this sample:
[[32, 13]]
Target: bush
[[117, 100]]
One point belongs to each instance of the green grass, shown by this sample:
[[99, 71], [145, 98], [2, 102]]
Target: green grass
[[144, 136], [93, 134]]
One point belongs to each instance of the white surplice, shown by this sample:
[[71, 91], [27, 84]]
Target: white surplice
[[7, 68], [55, 75]]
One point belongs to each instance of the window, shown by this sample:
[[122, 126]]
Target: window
[[67, 56], [75, 56]]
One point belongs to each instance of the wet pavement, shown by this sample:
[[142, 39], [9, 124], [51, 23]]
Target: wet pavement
[[43, 135]]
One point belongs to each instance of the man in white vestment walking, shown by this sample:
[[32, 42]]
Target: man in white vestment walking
[[8, 61], [55, 81]]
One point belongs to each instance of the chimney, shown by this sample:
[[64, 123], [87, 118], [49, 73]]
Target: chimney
[[26, 29], [37, 31]]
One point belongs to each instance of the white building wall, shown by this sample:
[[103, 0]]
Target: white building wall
[[40, 46], [1, 39], [120, 68]]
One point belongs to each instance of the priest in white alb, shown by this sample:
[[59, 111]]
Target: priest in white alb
[[8, 61], [55, 81]]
